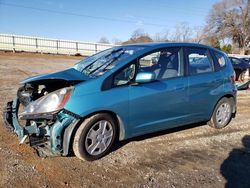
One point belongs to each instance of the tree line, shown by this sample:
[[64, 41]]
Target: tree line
[[227, 28]]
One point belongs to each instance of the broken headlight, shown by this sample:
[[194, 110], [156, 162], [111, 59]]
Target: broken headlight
[[49, 103]]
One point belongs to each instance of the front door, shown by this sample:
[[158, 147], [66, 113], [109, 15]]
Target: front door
[[163, 103]]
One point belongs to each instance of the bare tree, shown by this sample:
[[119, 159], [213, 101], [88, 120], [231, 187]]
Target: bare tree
[[139, 36], [212, 41], [138, 33], [198, 34], [104, 40], [182, 33], [161, 36], [116, 41], [230, 19]]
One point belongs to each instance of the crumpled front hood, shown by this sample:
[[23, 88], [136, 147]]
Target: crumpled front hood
[[65, 75]]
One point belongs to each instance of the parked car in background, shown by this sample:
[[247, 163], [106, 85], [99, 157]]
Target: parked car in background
[[247, 59], [240, 67], [120, 93]]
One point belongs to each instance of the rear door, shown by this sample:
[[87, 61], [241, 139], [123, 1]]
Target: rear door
[[204, 83]]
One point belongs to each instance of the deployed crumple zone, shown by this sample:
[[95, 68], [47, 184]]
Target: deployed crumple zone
[[120, 93]]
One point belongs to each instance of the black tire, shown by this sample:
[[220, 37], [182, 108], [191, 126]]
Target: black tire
[[79, 142], [237, 74], [240, 75], [213, 122]]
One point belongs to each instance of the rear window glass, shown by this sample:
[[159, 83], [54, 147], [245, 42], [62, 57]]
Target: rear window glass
[[199, 60]]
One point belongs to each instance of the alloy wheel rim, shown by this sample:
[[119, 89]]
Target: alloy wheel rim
[[223, 113], [99, 137]]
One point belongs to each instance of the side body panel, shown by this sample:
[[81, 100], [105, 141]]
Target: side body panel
[[114, 100], [204, 92], [158, 105]]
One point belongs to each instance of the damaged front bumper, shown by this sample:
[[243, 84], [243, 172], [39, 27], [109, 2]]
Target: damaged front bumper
[[49, 135]]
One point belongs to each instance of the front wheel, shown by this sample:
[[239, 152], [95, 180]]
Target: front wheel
[[222, 114], [95, 137]]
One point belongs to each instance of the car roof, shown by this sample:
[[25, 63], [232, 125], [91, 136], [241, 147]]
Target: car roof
[[169, 44], [234, 57]]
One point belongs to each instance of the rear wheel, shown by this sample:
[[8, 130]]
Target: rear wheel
[[222, 114], [95, 137]]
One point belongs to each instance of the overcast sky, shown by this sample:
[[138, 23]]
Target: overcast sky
[[91, 20]]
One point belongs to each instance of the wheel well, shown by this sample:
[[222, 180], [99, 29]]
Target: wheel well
[[229, 96], [114, 116], [238, 72]]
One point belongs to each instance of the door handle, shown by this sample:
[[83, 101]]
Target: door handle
[[216, 80], [180, 87]]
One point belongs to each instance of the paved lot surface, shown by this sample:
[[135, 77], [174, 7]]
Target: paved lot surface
[[191, 156]]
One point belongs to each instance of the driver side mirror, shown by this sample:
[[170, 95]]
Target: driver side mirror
[[145, 77]]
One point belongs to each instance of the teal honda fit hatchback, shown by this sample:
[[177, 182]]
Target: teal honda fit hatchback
[[120, 93]]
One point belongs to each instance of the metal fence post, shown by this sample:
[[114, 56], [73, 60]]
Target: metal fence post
[[36, 45], [13, 43], [95, 48], [57, 46], [76, 46]]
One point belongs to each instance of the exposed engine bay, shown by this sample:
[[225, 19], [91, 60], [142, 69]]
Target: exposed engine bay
[[37, 115], [31, 92]]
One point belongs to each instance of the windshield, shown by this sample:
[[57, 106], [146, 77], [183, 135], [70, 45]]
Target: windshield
[[101, 62]]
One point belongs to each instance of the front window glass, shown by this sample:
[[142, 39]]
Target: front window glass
[[100, 63], [165, 63]]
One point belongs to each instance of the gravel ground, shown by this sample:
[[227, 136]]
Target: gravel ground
[[191, 156]]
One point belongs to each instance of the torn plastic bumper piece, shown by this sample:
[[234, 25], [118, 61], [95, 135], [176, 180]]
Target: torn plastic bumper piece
[[245, 85], [11, 119], [46, 137], [7, 116]]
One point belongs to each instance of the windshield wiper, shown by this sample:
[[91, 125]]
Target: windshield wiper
[[116, 50]]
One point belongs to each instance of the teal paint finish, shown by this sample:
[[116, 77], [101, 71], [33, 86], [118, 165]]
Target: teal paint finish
[[144, 105], [56, 132], [115, 100], [157, 105], [17, 128], [149, 107], [204, 91], [67, 75]]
